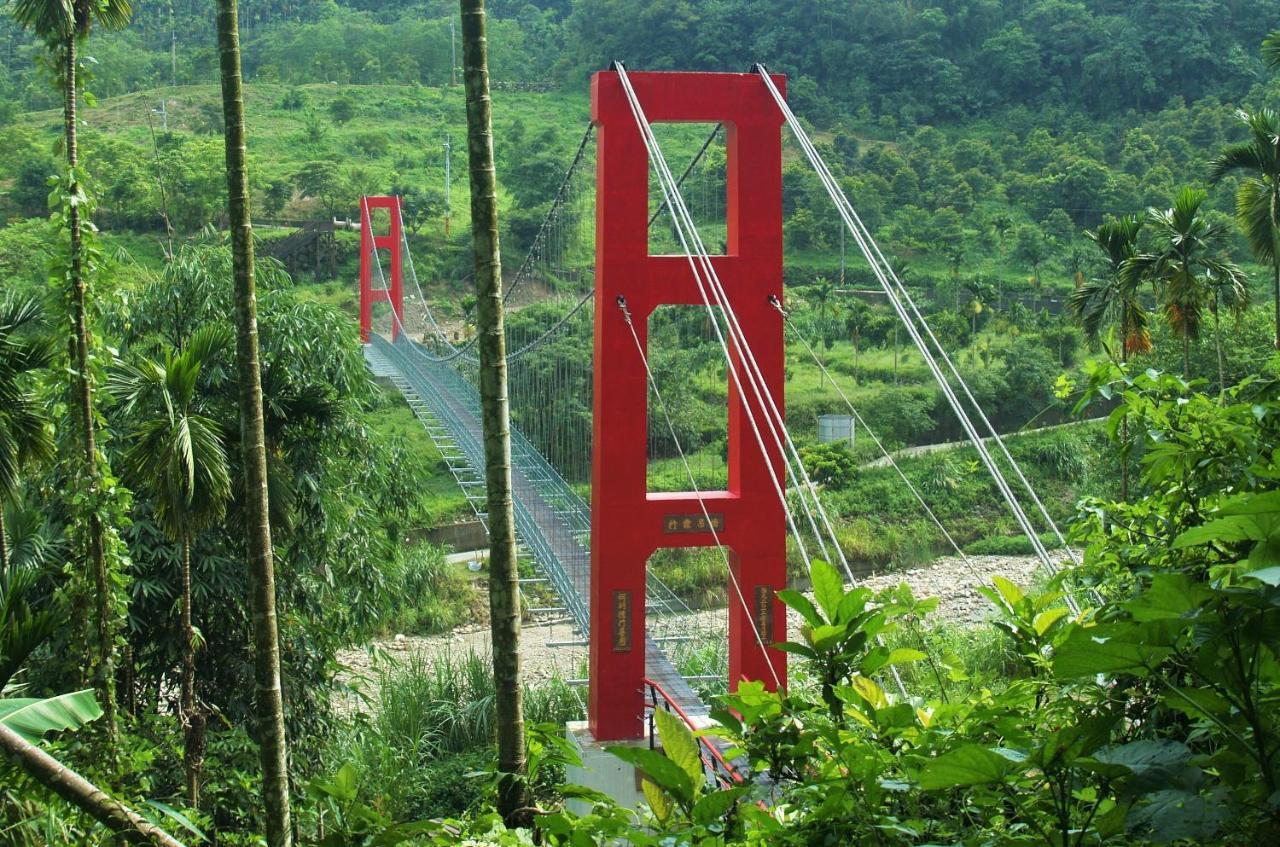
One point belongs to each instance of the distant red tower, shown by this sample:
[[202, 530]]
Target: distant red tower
[[627, 522], [394, 292]]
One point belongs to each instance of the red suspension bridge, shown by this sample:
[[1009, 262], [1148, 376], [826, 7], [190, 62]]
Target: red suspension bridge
[[585, 511]]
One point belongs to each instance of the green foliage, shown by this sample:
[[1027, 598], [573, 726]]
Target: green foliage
[[32, 718], [426, 746]]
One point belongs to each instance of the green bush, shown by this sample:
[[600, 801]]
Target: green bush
[[1015, 545]]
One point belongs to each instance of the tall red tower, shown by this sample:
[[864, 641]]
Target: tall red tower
[[628, 523], [369, 242]]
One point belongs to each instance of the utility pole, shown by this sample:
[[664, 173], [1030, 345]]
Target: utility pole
[[448, 182], [173, 47], [163, 112], [453, 53]]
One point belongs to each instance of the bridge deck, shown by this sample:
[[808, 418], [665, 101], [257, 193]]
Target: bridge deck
[[552, 522]]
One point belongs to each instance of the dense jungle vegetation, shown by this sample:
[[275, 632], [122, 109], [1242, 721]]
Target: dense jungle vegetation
[[1081, 193]]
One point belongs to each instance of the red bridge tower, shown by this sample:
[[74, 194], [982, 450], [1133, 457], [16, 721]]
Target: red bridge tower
[[369, 243], [628, 523]]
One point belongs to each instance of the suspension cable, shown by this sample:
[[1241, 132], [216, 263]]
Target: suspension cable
[[697, 492], [693, 163], [915, 492], [892, 291]]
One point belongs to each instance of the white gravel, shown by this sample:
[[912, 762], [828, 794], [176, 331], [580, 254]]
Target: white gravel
[[949, 579]]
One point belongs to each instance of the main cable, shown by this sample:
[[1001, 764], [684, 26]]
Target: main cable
[[698, 256], [864, 241]]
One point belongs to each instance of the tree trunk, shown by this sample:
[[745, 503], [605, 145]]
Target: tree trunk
[[1275, 294], [504, 594], [1186, 356], [1222, 362], [269, 699], [104, 675], [192, 715], [1124, 419], [76, 790], [895, 354]]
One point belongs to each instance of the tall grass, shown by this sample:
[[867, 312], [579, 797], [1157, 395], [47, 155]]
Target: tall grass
[[432, 724]]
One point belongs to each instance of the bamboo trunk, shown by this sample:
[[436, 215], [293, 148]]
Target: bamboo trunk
[[269, 699], [504, 593], [76, 790]]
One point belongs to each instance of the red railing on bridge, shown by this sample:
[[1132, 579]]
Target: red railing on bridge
[[713, 760]]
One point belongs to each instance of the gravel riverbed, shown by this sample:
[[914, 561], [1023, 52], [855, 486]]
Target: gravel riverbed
[[949, 578]]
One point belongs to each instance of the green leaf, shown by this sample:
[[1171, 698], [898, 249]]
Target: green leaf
[[1247, 517], [1012, 594], [1151, 761], [828, 588], [663, 771], [1044, 621], [972, 764], [716, 805], [1171, 595], [680, 745], [1271, 575], [1113, 648], [870, 690], [177, 817], [1178, 815], [658, 801], [32, 718], [795, 600], [903, 655]]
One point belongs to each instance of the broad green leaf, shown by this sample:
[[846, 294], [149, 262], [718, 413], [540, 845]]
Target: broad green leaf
[[680, 745], [658, 801], [1168, 816], [828, 588], [716, 805], [904, 655], [1152, 762], [1271, 575], [1112, 648], [1069, 744], [1197, 702], [177, 817], [972, 764], [1247, 517], [795, 600], [1012, 594], [870, 690], [1044, 621], [667, 774], [853, 604], [826, 636], [798, 649], [32, 718], [1171, 595]]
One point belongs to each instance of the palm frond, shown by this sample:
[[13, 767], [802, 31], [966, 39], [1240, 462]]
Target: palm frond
[[1236, 157], [1271, 49], [1255, 210], [51, 20]]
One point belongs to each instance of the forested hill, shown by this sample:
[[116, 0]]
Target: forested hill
[[914, 61]]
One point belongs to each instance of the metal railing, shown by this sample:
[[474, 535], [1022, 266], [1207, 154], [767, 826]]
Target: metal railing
[[715, 766]]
